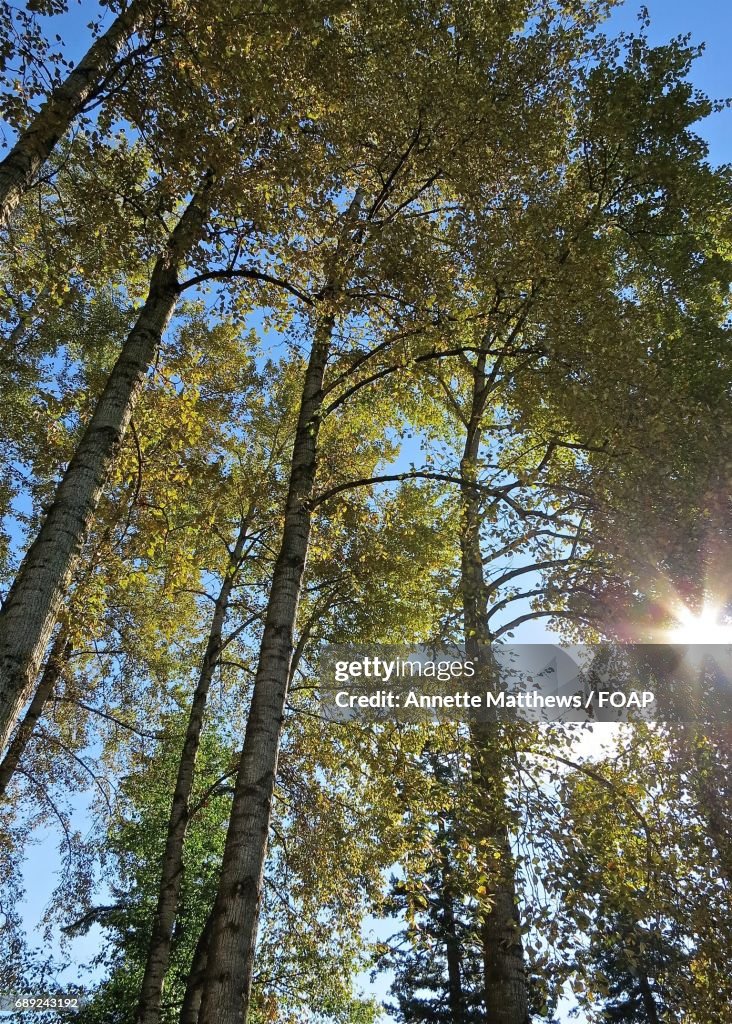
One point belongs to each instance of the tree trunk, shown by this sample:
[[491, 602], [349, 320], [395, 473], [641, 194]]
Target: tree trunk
[[504, 974], [227, 986], [649, 1003], [158, 954], [30, 610], [191, 1005], [506, 991], [228, 982], [55, 664], [20, 167], [453, 954]]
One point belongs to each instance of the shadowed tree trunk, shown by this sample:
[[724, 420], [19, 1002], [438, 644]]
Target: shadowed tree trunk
[[649, 1003], [55, 664], [20, 167], [31, 608], [158, 954], [505, 983], [453, 953], [194, 985]]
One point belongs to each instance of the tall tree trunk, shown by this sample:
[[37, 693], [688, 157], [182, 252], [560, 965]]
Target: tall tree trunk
[[504, 975], [228, 982], [158, 954], [30, 610], [191, 1005], [20, 167], [649, 1003], [227, 988], [506, 990], [55, 664], [453, 953]]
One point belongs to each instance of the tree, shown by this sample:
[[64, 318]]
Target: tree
[[407, 179], [172, 860], [483, 229], [439, 975], [30, 609], [641, 885], [37, 140]]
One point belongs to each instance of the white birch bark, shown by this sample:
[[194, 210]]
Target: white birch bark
[[226, 991], [55, 664]]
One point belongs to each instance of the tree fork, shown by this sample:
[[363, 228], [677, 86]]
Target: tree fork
[[191, 1004], [31, 608]]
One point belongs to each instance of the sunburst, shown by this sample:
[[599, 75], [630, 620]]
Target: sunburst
[[710, 626]]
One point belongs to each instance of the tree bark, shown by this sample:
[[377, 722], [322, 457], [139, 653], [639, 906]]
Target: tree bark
[[649, 1003], [20, 167], [506, 990], [55, 664], [227, 987], [453, 954], [158, 954], [191, 1005], [30, 610], [504, 969]]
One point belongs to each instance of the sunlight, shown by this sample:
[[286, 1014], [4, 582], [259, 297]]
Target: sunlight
[[705, 628]]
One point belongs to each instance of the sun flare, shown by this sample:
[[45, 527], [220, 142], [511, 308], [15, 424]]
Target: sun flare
[[709, 627]]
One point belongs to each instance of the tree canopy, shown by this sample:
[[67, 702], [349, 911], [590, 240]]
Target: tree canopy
[[379, 325]]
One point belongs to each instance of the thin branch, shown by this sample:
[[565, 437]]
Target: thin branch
[[416, 474], [608, 784], [110, 718], [526, 595], [213, 790], [554, 563], [557, 613]]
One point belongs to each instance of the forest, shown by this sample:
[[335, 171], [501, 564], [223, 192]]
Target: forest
[[377, 326]]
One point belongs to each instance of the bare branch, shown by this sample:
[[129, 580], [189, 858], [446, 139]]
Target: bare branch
[[226, 274]]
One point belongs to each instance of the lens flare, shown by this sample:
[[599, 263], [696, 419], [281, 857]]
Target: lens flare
[[710, 627]]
